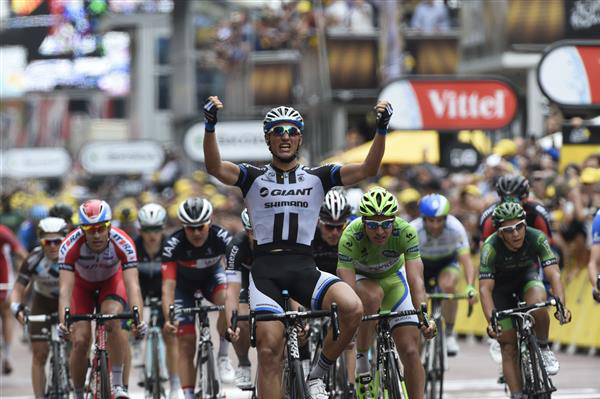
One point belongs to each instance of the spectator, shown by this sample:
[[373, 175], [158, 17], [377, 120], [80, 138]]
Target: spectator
[[430, 16], [355, 16]]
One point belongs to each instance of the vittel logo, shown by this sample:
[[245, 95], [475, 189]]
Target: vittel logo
[[453, 104]]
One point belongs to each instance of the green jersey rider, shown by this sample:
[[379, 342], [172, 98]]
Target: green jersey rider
[[509, 265], [379, 257]]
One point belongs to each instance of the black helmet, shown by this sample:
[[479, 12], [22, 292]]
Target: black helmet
[[62, 211], [512, 186]]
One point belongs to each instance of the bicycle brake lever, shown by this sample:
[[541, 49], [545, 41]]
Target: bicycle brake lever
[[171, 313], [335, 325], [136, 315], [423, 311], [253, 328]]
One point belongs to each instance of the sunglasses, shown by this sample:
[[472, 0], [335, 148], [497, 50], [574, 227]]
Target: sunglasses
[[51, 241], [515, 227], [331, 227], [152, 229], [290, 130], [384, 224], [98, 227], [193, 228]]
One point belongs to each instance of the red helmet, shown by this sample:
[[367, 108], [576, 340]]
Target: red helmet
[[94, 211]]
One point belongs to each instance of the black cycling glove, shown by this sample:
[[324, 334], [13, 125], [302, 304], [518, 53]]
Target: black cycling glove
[[383, 119], [210, 115]]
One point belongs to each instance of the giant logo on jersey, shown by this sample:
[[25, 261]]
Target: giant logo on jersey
[[264, 191]]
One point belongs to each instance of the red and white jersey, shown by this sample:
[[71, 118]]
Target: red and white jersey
[[76, 256]]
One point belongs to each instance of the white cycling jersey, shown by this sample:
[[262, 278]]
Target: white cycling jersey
[[452, 241]]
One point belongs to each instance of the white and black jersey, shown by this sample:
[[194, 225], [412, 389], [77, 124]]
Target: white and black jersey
[[284, 205], [42, 271]]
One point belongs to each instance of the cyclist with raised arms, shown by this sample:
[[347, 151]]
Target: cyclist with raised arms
[[594, 265], [283, 199], [40, 270], [191, 262], [239, 261], [149, 246], [93, 257], [444, 243], [509, 265], [379, 257]]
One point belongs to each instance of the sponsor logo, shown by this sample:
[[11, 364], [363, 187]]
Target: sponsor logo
[[549, 262], [413, 250], [263, 192], [485, 275], [410, 236], [171, 244], [390, 253], [344, 258], [297, 204], [453, 104]]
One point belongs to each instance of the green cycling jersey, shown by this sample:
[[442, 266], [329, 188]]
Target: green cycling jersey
[[357, 253], [499, 263]]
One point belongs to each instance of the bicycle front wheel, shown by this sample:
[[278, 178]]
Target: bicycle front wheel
[[542, 385], [155, 375], [392, 379], [208, 376], [59, 382], [105, 388], [298, 385]]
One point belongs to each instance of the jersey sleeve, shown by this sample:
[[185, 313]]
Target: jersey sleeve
[[346, 251], [596, 229], [542, 220], [69, 250], [224, 238], [487, 228], [168, 266], [125, 248], [8, 237], [544, 252], [233, 269], [28, 266], [410, 243], [487, 267], [462, 239], [248, 174], [329, 174]]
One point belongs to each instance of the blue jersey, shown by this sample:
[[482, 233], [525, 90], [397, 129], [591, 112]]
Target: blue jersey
[[596, 228]]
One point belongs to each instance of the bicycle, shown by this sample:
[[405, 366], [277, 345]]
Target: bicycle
[[434, 355], [387, 360], [535, 380], [99, 379], [294, 382], [155, 354], [207, 381], [58, 386]]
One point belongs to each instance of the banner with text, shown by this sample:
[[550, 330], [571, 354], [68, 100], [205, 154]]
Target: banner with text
[[450, 103]]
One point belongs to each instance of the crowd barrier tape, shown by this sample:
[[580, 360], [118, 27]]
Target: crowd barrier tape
[[583, 331]]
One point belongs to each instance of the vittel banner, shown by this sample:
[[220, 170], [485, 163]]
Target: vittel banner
[[569, 74], [450, 103]]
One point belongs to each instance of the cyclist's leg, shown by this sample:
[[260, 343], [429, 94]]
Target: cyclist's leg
[[7, 322], [371, 295], [81, 333], [447, 281], [405, 331], [533, 292], [186, 339], [40, 348], [265, 297]]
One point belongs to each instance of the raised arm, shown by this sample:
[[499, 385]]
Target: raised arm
[[354, 173], [226, 172]]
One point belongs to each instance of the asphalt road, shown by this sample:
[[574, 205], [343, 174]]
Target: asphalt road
[[472, 374]]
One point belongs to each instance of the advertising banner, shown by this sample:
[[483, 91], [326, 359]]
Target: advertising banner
[[569, 74], [450, 103], [578, 143], [121, 157], [20, 163], [238, 141]]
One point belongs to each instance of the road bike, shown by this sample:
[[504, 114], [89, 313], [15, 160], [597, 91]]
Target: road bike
[[388, 371], [534, 379], [294, 381], [434, 354], [154, 369], [99, 378], [207, 382], [58, 386]]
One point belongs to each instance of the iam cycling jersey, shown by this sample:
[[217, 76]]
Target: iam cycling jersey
[[596, 229], [357, 253], [383, 264], [182, 261], [76, 256], [536, 216], [284, 205], [42, 271], [149, 269], [325, 255], [7, 238]]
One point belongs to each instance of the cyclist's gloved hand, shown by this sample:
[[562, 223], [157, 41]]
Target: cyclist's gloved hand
[[471, 292], [566, 316], [211, 107], [596, 294], [384, 114], [141, 330], [491, 332], [171, 327], [19, 311], [63, 332], [232, 336]]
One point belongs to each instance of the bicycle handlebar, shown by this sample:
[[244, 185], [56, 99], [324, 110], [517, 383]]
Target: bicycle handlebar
[[449, 297], [526, 309], [193, 310], [69, 318], [42, 318]]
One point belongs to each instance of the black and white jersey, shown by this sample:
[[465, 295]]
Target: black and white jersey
[[42, 271], [239, 257], [326, 256], [284, 205]]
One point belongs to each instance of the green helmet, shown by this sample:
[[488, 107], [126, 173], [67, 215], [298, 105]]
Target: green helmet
[[378, 202], [507, 211]]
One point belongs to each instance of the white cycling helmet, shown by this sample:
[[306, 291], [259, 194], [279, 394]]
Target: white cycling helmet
[[246, 220], [52, 225], [335, 208], [152, 215], [195, 211], [282, 114]]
